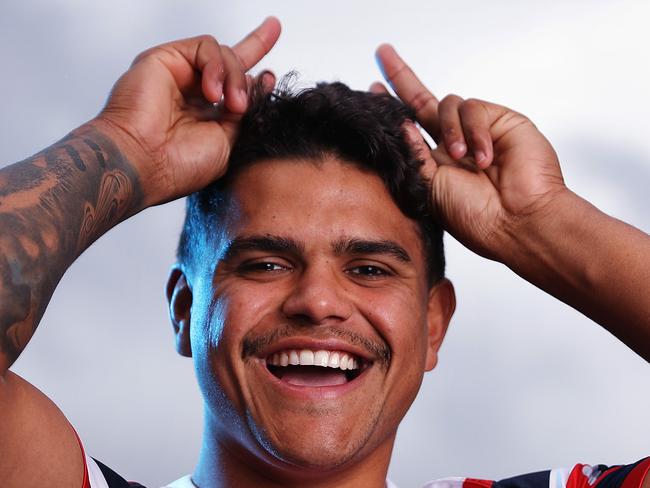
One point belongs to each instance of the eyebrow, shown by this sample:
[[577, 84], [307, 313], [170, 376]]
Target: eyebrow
[[266, 243], [346, 245], [366, 246]]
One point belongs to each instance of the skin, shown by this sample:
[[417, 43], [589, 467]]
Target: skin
[[313, 292], [496, 186], [158, 138]]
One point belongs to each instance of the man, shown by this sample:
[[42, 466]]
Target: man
[[317, 263]]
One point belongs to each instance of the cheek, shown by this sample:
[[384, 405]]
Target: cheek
[[249, 302], [217, 335], [237, 309], [400, 318]]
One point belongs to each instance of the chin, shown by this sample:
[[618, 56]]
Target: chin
[[321, 457], [314, 447]]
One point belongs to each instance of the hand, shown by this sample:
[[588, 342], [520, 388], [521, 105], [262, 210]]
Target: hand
[[161, 113], [492, 173]]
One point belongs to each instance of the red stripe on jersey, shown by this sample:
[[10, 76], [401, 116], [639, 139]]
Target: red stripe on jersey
[[577, 478], [86, 481], [637, 475], [607, 472], [476, 483]]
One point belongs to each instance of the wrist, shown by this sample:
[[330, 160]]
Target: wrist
[[551, 247], [132, 153]]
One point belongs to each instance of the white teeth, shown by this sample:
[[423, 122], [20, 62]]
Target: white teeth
[[284, 359], [306, 357], [294, 359], [321, 358], [344, 362], [334, 360]]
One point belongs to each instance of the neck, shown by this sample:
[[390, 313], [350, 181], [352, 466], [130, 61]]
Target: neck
[[226, 463]]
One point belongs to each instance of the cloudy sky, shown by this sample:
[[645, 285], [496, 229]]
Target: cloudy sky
[[524, 382]]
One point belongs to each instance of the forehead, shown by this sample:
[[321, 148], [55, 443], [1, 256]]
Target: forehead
[[318, 202]]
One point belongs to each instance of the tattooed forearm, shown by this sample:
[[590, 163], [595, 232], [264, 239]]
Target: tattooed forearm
[[52, 207]]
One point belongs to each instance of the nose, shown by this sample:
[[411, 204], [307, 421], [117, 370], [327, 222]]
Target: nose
[[318, 297]]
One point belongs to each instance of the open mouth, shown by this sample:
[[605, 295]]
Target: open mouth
[[305, 367]]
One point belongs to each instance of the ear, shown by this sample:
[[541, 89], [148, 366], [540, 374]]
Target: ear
[[179, 298], [442, 304]]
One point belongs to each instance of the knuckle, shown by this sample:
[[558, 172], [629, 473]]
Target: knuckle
[[449, 107], [450, 133], [144, 54], [421, 100], [475, 134], [159, 53], [471, 105], [230, 54], [452, 99], [403, 69], [512, 120], [256, 37], [208, 39]]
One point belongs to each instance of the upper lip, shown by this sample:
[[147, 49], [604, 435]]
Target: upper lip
[[312, 344]]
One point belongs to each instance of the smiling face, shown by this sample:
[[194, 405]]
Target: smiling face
[[311, 336]]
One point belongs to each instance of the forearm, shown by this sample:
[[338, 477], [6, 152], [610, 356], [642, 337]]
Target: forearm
[[52, 207], [594, 263]]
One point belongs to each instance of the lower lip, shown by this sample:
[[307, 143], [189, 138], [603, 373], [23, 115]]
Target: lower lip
[[302, 392]]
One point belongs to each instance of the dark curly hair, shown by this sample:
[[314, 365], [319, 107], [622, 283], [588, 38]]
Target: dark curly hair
[[330, 119]]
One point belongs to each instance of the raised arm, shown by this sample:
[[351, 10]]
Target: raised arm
[[497, 186], [158, 138]]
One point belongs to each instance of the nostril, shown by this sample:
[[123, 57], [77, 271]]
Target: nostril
[[317, 299]]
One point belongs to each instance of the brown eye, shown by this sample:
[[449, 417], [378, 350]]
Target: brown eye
[[263, 267], [369, 271]]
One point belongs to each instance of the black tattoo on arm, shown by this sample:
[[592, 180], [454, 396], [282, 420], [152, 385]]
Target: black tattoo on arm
[[52, 207]]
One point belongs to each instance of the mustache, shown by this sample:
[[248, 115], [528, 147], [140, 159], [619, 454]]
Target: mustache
[[251, 346]]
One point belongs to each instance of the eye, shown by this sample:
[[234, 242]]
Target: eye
[[263, 267], [369, 271]]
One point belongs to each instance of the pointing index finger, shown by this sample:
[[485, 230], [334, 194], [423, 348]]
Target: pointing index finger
[[409, 88], [258, 43]]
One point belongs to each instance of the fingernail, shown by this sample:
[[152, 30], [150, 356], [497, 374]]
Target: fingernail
[[480, 157], [412, 132], [458, 149], [219, 88], [268, 80], [242, 96]]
